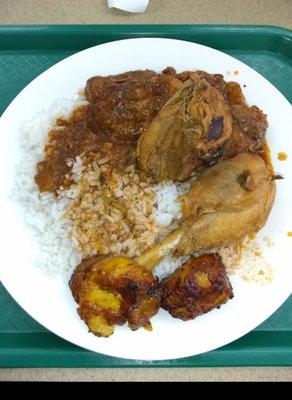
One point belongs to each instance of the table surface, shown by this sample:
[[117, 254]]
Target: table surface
[[262, 12]]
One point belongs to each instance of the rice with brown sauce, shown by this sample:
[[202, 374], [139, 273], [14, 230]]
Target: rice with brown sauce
[[111, 213]]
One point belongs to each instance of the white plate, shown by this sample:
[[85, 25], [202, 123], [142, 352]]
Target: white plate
[[50, 302]]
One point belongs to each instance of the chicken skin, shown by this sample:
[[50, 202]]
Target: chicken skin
[[197, 287], [189, 132], [227, 202], [249, 123], [114, 291]]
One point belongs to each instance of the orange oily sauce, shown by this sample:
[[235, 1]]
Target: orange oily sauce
[[282, 156]]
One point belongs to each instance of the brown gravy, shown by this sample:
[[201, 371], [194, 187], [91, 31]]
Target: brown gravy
[[73, 137]]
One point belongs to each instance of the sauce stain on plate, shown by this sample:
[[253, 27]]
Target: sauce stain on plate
[[282, 156]]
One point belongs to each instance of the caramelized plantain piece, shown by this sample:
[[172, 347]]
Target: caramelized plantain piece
[[197, 287], [114, 291]]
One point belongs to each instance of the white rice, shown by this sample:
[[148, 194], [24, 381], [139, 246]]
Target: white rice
[[253, 265], [44, 212], [168, 206], [169, 265]]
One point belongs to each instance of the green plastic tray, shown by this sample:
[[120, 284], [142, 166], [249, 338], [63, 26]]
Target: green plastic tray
[[25, 52]]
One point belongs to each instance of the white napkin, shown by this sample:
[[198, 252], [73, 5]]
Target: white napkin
[[134, 6]]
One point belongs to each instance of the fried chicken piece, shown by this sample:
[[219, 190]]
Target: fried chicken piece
[[96, 84], [124, 105], [251, 121], [183, 138], [249, 124], [197, 287], [114, 291], [189, 132], [227, 202], [215, 80]]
